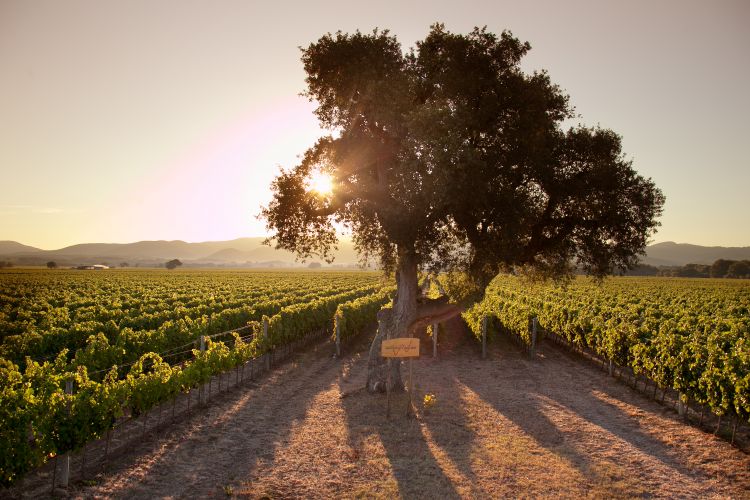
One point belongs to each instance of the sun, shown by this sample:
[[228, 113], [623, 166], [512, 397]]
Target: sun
[[321, 183]]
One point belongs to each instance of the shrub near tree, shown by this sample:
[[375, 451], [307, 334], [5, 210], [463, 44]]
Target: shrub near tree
[[449, 157]]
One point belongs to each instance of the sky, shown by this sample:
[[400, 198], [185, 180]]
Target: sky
[[168, 119]]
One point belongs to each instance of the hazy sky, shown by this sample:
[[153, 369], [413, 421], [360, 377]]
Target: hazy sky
[[132, 120]]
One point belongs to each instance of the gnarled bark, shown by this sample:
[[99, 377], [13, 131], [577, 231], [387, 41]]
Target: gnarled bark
[[394, 322], [408, 313]]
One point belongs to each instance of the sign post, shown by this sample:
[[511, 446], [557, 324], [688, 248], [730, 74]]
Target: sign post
[[388, 391], [399, 348]]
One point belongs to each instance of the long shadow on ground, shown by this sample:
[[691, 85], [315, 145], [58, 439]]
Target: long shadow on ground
[[229, 440], [408, 457], [570, 389]]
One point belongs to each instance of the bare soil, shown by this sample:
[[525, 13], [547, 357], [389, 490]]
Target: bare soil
[[505, 426]]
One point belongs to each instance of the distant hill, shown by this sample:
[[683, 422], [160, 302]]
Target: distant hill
[[670, 253], [242, 251], [10, 247], [251, 251], [176, 249]]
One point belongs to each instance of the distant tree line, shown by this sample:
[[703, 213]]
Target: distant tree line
[[721, 268], [5, 263]]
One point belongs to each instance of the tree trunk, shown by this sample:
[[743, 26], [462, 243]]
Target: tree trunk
[[394, 322]]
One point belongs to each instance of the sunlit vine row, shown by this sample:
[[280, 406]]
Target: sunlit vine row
[[126, 377], [692, 336]]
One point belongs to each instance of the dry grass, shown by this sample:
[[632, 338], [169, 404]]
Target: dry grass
[[508, 426]]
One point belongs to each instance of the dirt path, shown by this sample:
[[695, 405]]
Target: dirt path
[[508, 426]]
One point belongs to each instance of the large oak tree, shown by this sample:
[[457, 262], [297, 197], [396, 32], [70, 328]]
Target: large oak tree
[[449, 156]]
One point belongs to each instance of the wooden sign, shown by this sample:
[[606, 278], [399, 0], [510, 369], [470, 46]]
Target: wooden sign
[[400, 348]]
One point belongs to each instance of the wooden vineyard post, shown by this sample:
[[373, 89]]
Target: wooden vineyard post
[[533, 336], [65, 469], [484, 336], [201, 389], [681, 406], [434, 339], [388, 391], [265, 341], [410, 408], [338, 335]]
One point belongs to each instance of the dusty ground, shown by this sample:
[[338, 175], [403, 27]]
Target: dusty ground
[[507, 426]]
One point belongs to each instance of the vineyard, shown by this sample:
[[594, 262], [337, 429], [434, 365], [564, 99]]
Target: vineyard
[[79, 350], [692, 336], [82, 351]]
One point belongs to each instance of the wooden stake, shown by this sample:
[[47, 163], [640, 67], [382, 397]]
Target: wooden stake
[[388, 391], [54, 474], [201, 388], [65, 472], [411, 391], [434, 339], [83, 463], [484, 337], [338, 336], [265, 340]]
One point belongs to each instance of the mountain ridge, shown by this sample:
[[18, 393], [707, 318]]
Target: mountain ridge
[[669, 253], [153, 252], [250, 250]]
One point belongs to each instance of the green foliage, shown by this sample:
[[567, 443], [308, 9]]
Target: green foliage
[[691, 336], [17, 412], [460, 287], [351, 317], [42, 313], [119, 322], [449, 157]]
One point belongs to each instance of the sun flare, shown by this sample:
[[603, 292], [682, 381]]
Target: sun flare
[[321, 183]]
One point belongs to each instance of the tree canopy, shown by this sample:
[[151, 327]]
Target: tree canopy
[[449, 157], [451, 152]]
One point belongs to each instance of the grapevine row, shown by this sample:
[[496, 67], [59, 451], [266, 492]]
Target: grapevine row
[[692, 336], [40, 420]]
